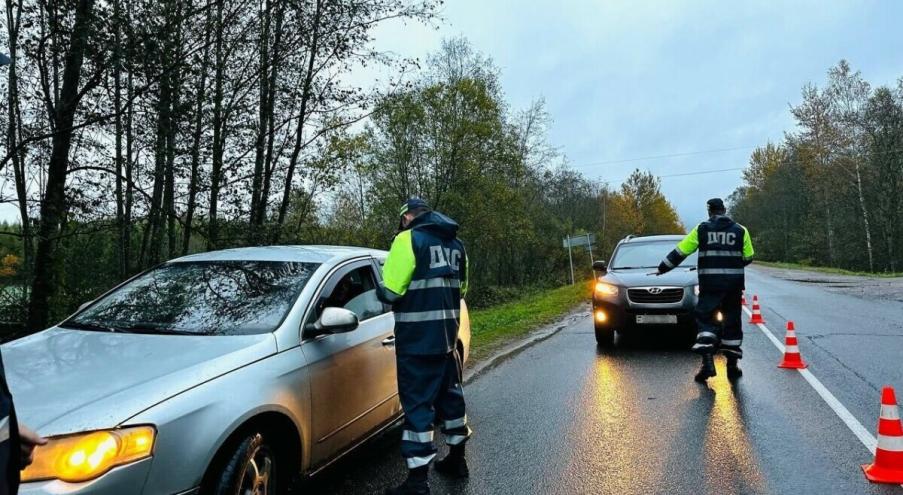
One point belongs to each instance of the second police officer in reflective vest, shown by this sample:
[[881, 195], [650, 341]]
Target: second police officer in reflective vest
[[424, 277], [725, 248]]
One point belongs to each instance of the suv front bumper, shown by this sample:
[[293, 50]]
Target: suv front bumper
[[621, 313]]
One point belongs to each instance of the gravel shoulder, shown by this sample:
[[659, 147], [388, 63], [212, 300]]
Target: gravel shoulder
[[890, 289]]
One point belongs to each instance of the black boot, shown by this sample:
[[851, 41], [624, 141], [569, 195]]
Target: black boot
[[454, 464], [707, 370], [733, 370], [416, 484]]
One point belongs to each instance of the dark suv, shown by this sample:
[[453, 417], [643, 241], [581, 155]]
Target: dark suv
[[628, 295]]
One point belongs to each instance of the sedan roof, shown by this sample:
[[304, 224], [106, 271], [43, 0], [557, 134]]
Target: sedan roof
[[648, 238], [308, 254]]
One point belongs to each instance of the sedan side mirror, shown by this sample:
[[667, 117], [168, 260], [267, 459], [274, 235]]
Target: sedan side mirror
[[600, 266], [334, 320]]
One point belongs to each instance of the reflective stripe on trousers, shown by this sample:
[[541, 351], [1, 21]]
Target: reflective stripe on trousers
[[4, 429], [416, 462], [415, 436]]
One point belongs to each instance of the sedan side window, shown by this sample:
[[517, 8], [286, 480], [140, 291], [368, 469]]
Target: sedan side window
[[354, 291]]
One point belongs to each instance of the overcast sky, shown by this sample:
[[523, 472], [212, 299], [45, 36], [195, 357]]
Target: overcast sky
[[625, 80], [629, 79]]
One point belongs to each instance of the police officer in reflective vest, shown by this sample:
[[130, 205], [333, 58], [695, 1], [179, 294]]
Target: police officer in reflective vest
[[424, 277], [725, 248]]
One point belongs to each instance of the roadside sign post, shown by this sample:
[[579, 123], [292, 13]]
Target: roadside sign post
[[580, 240]]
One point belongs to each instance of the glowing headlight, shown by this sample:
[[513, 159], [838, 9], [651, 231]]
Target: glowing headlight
[[85, 456], [606, 289]]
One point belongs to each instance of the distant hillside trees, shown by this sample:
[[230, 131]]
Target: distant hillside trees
[[830, 194]]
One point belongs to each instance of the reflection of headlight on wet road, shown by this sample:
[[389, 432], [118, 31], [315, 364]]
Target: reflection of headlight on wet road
[[86, 456]]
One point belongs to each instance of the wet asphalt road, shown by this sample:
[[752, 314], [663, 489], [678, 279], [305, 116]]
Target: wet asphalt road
[[562, 417]]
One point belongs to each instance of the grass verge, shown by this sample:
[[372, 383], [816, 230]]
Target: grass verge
[[494, 326], [825, 269]]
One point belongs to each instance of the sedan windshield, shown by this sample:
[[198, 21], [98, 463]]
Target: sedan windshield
[[201, 298], [646, 255]]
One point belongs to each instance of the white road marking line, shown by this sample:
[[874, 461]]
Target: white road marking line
[[842, 412]]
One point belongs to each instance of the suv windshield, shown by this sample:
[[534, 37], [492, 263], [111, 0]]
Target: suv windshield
[[646, 255], [201, 298]]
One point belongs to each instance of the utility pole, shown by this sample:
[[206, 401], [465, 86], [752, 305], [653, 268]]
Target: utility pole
[[570, 258]]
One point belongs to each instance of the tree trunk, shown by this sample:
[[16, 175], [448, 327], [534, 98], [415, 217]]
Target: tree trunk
[[122, 228], [865, 220], [53, 205], [218, 132], [302, 117], [196, 140], [14, 131]]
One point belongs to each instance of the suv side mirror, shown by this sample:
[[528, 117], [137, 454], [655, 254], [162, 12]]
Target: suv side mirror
[[600, 266], [334, 320]]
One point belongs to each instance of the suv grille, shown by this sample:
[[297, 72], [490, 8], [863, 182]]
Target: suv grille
[[666, 296]]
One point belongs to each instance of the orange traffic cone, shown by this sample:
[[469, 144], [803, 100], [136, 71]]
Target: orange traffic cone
[[743, 299], [792, 358], [888, 465], [756, 312]]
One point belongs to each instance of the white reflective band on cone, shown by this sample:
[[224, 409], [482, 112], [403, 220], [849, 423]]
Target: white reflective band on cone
[[456, 423], [419, 437], [792, 349], [4, 429], [791, 333], [890, 444], [416, 462], [889, 412]]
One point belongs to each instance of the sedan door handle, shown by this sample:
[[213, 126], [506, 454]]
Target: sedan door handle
[[389, 341]]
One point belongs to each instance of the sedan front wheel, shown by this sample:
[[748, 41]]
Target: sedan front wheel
[[251, 469]]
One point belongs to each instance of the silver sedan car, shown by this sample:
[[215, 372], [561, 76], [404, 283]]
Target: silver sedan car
[[223, 372]]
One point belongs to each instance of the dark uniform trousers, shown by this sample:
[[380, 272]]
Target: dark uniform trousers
[[726, 335], [433, 396]]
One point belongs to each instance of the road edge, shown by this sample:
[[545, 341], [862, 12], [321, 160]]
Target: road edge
[[531, 338]]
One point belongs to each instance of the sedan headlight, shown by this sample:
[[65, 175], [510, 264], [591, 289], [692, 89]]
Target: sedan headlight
[[606, 289], [85, 456]]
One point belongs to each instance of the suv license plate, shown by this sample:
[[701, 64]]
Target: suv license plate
[[656, 319]]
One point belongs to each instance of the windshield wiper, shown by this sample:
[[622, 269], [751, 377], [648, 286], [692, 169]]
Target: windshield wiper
[[157, 331], [94, 327]]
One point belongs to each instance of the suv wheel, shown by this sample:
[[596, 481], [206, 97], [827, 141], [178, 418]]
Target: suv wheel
[[250, 469], [605, 337]]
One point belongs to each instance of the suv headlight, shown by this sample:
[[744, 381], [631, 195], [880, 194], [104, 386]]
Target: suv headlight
[[85, 456], [606, 289]]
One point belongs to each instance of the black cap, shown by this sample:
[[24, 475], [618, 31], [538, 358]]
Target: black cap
[[413, 204], [715, 204], [4, 60]]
